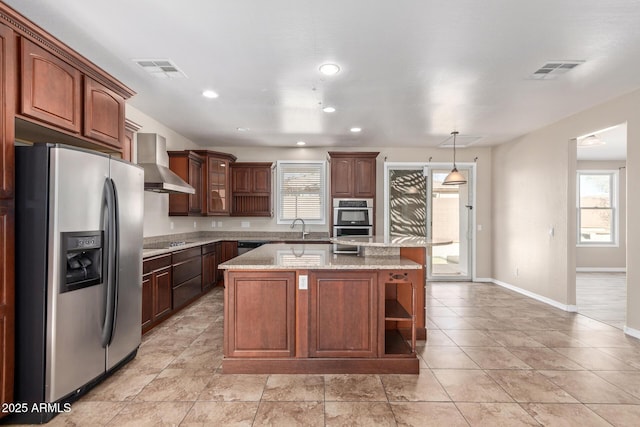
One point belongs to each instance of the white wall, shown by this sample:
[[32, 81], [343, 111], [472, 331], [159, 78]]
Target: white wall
[[534, 189], [607, 257], [157, 221]]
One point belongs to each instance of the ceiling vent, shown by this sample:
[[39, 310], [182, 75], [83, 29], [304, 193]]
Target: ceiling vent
[[161, 68], [462, 141], [554, 69]]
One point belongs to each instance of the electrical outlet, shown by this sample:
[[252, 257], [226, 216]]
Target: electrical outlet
[[213, 224], [195, 224], [303, 282], [479, 227], [171, 225], [219, 223], [245, 224]]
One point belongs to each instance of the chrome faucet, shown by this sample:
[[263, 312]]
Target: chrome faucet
[[304, 233]]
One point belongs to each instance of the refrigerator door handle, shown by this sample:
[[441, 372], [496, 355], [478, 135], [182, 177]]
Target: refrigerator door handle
[[111, 233]]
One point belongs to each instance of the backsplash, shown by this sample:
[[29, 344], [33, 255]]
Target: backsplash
[[235, 235]]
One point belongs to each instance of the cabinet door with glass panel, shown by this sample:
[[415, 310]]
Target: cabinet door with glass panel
[[216, 182]]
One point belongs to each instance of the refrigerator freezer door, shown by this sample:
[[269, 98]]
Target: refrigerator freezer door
[[128, 180], [75, 355]]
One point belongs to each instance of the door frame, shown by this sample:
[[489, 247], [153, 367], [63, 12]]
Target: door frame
[[472, 198]]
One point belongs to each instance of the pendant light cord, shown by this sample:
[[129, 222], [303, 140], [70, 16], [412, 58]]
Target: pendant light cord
[[454, 133]]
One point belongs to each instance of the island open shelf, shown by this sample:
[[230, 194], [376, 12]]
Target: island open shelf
[[318, 312]]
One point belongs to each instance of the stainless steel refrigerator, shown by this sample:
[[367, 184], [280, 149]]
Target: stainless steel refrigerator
[[78, 271]]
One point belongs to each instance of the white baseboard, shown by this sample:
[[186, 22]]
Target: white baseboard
[[554, 303], [633, 332], [483, 279], [601, 269]]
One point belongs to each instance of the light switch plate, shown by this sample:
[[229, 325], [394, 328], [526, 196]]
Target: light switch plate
[[303, 282]]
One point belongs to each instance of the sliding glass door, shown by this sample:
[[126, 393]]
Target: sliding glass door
[[417, 204], [449, 217]]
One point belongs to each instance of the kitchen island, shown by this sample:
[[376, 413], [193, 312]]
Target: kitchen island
[[414, 248], [299, 308]]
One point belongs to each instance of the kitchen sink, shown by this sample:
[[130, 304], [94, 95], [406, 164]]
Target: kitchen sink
[[166, 245]]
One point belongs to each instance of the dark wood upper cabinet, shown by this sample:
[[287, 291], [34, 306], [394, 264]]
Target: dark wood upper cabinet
[[130, 128], [207, 172], [188, 166], [7, 110], [341, 177], [216, 182], [251, 189], [364, 170], [51, 88], [353, 174], [103, 114]]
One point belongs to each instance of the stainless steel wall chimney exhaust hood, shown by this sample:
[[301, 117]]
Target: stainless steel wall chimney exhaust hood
[[153, 157]]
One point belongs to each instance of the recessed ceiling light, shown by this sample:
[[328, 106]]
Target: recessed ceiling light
[[242, 129], [329, 110], [301, 143], [210, 94], [355, 129], [329, 69]]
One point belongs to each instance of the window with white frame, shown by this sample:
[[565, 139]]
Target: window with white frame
[[301, 191], [597, 207]]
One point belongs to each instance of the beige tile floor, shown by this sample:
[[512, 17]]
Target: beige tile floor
[[493, 358]]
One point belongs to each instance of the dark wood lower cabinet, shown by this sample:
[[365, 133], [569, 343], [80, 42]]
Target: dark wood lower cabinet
[[156, 290], [187, 276], [170, 282], [209, 267]]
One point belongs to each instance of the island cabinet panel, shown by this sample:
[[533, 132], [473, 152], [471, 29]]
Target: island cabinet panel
[[51, 88], [103, 114], [343, 314], [260, 314]]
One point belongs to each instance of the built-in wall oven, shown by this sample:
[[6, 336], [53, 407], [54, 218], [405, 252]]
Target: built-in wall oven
[[351, 217]]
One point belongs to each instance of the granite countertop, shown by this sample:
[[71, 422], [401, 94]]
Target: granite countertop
[[279, 256], [160, 245], [389, 242]]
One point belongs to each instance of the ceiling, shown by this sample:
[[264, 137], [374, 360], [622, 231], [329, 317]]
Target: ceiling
[[411, 70], [614, 145]]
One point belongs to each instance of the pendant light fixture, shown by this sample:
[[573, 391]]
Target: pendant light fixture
[[454, 177]]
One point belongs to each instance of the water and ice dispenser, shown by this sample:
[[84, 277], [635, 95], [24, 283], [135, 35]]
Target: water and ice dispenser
[[82, 260]]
